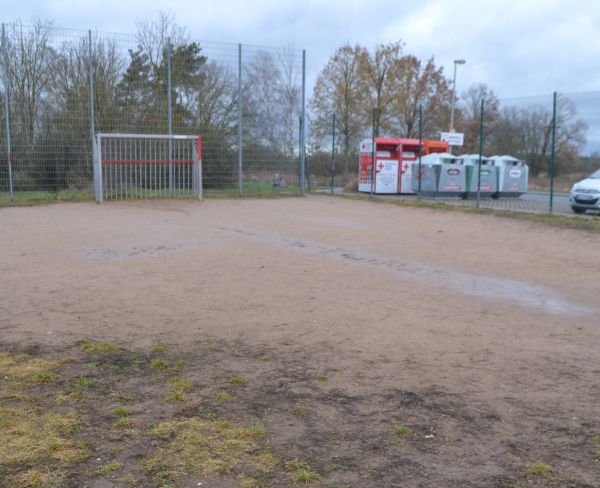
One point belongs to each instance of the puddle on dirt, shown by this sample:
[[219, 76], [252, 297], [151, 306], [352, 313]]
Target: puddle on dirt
[[441, 278], [474, 285]]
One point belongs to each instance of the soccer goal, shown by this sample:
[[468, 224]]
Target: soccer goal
[[143, 166]]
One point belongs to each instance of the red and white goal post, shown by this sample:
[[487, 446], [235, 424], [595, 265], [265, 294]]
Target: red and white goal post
[[131, 166]]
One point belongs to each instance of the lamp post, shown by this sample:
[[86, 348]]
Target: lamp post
[[456, 62]]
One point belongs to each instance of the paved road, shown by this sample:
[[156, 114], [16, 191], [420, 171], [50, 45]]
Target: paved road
[[533, 202], [540, 196]]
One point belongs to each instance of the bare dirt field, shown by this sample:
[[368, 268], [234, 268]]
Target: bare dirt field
[[373, 345]]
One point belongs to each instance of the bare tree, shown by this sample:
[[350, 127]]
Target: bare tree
[[469, 115], [526, 132], [152, 36], [419, 84], [337, 90], [379, 72], [27, 61], [272, 102]]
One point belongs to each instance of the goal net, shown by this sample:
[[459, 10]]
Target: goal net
[[133, 166]]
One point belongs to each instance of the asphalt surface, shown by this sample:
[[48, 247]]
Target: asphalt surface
[[532, 202]]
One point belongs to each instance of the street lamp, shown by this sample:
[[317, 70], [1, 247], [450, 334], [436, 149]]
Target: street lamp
[[456, 62]]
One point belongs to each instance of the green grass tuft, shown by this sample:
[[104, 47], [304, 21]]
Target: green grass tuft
[[539, 468], [304, 476], [238, 379], [159, 348], [158, 364], [107, 468], [299, 411], [121, 411], [223, 397], [402, 431], [98, 348]]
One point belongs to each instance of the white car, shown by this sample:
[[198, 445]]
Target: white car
[[585, 194]]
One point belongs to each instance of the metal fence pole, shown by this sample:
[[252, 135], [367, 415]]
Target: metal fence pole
[[480, 155], [302, 148], [7, 119], [239, 134], [97, 188], [170, 115], [420, 149], [374, 130], [300, 182], [332, 152], [553, 153]]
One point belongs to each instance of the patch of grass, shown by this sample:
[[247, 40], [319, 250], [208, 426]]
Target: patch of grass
[[84, 382], [403, 431], [299, 411], [597, 453], [539, 468], [28, 198], [330, 468], [337, 370], [222, 397], [107, 468], [178, 387], [304, 476], [181, 384], [119, 412], [127, 398], [237, 379], [123, 423], [321, 377], [98, 348], [35, 445], [159, 348], [203, 447], [176, 396], [81, 384], [22, 370], [595, 441], [43, 377], [207, 414], [257, 430], [129, 479], [265, 358], [179, 364], [294, 465], [158, 364], [300, 472]]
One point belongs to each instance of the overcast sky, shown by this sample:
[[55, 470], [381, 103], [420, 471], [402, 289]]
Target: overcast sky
[[518, 48]]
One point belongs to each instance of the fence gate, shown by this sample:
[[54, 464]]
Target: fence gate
[[129, 166]]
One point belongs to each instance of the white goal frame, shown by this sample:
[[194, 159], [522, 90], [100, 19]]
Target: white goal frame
[[132, 166]]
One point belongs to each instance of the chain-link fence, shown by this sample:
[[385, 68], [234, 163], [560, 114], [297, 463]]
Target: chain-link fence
[[557, 136], [60, 87]]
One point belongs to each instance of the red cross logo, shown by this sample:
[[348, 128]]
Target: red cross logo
[[380, 166], [363, 146], [405, 166]]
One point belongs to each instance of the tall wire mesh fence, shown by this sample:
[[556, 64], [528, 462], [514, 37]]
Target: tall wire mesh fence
[[61, 86], [557, 137]]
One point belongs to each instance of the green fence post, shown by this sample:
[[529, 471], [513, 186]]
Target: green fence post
[[553, 153], [420, 147], [333, 152], [480, 155], [373, 133]]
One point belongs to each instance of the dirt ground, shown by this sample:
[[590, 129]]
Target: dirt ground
[[480, 334]]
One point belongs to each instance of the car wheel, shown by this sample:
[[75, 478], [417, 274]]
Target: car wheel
[[578, 210]]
